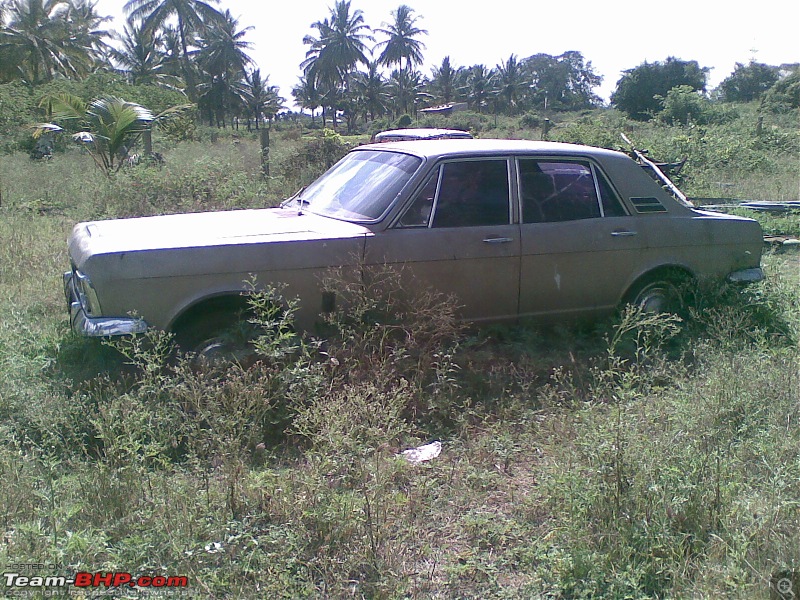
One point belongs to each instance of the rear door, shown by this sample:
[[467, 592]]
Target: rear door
[[579, 246]]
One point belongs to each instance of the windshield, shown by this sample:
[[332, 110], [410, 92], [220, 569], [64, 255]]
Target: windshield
[[361, 186]]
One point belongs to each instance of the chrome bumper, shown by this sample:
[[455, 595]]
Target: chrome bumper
[[747, 275], [88, 326]]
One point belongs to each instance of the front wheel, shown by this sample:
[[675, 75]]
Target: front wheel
[[219, 340]]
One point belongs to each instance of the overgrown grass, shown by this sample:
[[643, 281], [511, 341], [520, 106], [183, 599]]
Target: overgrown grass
[[639, 457]]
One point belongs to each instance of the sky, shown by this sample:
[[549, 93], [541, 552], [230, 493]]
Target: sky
[[615, 35]]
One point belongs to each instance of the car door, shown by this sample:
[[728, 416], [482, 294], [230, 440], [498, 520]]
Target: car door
[[579, 247], [457, 236]]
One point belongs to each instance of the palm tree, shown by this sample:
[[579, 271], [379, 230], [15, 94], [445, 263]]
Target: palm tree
[[222, 60], [260, 97], [338, 49], [84, 25], [223, 48], [193, 16], [307, 95], [372, 90], [110, 126], [142, 57], [480, 84], [510, 81], [401, 44], [41, 42], [444, 82], [407, 90]]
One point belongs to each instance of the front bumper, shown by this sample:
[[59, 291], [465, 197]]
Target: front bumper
[[747, 275], [88, 326]]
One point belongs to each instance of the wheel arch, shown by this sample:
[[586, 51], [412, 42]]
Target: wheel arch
[[673, 273], [222, 303]]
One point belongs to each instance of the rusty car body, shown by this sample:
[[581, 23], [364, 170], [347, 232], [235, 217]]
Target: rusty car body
[[510, 228]]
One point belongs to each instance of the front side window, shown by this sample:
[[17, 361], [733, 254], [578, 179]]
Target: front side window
[[554, 191], [462, 194], [360, 187]]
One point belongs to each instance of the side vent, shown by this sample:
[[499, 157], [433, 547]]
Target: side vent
[[648, 205]]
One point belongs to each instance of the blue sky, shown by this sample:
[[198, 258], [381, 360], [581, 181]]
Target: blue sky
[[613, 34]]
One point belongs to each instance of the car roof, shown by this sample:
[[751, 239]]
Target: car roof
[[421, 133], [466, 147]]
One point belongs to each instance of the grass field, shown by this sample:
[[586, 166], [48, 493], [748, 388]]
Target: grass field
[[640, 457]]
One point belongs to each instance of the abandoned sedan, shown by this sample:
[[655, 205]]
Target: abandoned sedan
[[510, 228]]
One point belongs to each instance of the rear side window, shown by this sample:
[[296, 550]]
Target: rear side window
[[554, 191]]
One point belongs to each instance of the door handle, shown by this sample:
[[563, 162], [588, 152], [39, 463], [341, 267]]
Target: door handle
[[623, 233], [498, 240]]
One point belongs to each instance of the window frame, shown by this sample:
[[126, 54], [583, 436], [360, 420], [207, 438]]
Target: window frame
[[438, 168], [596, 172]]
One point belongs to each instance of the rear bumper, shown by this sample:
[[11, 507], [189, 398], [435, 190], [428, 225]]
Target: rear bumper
[[88, 326], [747, 275]]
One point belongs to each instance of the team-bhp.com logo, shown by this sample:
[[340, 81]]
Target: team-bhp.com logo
[[93, 580]]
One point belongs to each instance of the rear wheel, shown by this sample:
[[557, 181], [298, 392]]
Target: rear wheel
[[660, 293]]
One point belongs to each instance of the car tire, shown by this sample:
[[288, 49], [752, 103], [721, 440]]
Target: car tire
[[218, 340], [658, 294]]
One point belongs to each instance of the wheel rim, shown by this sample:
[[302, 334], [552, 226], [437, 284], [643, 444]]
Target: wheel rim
[[657, 297]]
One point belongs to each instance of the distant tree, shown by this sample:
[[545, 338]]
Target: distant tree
[[480, 86], [401, 43], [444, 82], [511, 82], [748, 82], [563, 82], [192, 16], [222, 58], [371, 90], [785, 94], [260, 98], [637, 90], [406, 90], [142, 58], [306, 95], [336, 51], [685, 105], [43, 39]]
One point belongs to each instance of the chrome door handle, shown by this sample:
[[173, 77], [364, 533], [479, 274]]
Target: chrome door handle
[[623, 233], [498, 240]]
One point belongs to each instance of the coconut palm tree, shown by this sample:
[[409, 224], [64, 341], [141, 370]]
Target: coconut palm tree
[[511, 82], [372, 90], [401, 43], [84, 25], [109, 126], [337, 50], [223, 48], [192, 15], [260, 97], [407, 89], [307, 95], [41, 41], [480, 85], [142, 58], [444, 82]]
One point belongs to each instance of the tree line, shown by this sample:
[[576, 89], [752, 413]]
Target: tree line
[[350, 69]]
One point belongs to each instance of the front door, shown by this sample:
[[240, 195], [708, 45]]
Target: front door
[[457, 238]]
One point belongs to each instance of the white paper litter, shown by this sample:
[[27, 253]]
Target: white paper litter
[[422, 453]]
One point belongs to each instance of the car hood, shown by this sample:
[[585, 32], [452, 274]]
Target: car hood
[[197, 230]]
